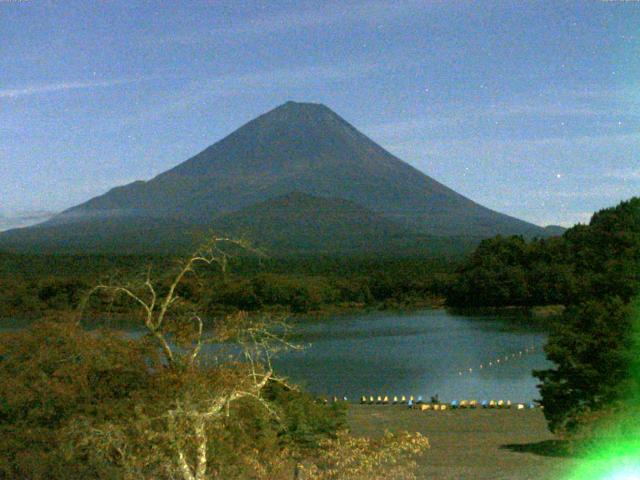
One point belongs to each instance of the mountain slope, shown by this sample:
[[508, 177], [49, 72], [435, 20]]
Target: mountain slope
[[307, 148], [292, 224], [297, 147], [302, 223], [117, 235]]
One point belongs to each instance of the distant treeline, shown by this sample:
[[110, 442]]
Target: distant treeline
[[587, 261], [34, 284]]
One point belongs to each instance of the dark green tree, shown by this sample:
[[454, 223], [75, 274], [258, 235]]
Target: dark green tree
[[591, 349], [494, 275]]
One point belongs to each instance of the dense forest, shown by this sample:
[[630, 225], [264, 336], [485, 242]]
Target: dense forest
[[587, 261], [31, 285]]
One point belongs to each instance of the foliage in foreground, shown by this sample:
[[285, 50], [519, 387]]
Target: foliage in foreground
[[78, 404], [97, 404], [349, 458]]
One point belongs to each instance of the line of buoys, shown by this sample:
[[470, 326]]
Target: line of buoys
[[499, 360]]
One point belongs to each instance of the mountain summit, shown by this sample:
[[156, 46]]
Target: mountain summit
[[296, 147]]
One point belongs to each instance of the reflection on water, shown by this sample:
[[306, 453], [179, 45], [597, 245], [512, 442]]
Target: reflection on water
[[420, 353]]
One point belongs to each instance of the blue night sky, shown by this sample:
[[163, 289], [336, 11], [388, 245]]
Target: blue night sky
[[530, 108]]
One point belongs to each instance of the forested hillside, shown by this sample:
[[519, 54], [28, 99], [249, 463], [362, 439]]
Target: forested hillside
[[587, 261], [31, 285]]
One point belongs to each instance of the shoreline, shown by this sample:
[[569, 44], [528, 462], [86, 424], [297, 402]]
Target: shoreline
[[535, 313]]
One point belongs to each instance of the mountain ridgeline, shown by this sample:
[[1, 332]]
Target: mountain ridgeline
[[297, 179]]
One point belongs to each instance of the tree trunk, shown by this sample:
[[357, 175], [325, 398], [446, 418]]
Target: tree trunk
[[184, 466], [201, 447]]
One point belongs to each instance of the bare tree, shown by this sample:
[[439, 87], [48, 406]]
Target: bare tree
[[241, 368], [169, 434]]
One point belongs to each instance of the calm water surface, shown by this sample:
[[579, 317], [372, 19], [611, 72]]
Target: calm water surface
[[419, 353]]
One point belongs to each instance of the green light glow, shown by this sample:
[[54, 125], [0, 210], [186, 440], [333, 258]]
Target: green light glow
[[616, 454], [619, 461]]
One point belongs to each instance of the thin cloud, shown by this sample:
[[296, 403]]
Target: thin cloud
[[39, 89], [199, 91], [290, 77], [331, 13], [623, 174], [615, 192], [466, 115], [627, 94], [23, 219], [375, 11]]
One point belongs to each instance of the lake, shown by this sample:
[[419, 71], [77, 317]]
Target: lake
[[420, 353]]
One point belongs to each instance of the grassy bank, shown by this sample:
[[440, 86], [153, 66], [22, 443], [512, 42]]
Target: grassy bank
[[472, 444]]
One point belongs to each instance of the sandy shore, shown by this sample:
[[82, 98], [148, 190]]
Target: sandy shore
[[472, 444]]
